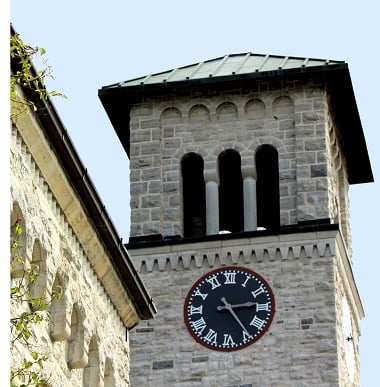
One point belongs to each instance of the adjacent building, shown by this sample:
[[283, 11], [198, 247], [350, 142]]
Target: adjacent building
[[69, 236]]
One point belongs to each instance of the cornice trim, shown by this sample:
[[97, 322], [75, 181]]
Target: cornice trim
[[242, 251]]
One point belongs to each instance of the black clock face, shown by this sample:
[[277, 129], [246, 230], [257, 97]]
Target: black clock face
[[229, 308]]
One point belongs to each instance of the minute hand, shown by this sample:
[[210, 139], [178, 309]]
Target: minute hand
[[229, 308], [246, 304]]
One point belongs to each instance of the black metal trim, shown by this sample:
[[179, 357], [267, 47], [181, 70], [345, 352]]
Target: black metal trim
[[301, 227]]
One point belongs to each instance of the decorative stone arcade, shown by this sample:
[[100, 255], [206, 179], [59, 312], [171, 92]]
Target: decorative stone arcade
[[244, 163]]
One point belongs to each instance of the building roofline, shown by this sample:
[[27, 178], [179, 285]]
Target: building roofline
[[81, 181], [117, 101]]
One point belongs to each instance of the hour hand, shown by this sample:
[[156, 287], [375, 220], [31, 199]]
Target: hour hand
[[228, 306], [245, 304]]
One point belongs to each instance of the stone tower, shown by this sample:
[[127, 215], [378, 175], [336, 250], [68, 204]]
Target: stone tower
[[239, 174]]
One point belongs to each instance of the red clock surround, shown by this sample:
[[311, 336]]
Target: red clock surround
[[229, 308]]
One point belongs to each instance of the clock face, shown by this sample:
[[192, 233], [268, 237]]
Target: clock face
[[229, 308]]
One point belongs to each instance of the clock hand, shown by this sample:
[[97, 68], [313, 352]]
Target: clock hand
[[247, 304], [229, 308]]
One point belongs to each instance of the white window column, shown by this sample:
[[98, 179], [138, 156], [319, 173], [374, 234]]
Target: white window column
[[212, 202], [249, 197]]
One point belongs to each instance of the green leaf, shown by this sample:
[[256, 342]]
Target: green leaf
[[19, 326], [18, 229]]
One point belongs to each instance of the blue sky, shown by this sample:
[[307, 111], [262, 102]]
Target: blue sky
[[92, 44]]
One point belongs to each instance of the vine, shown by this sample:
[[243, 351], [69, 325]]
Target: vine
[[26, 76], [28, 310]]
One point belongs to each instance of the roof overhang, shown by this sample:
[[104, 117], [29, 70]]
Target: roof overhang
[[117, 100]]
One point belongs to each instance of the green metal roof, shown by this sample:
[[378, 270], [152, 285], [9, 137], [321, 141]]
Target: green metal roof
[[235, 64], [246, 69]]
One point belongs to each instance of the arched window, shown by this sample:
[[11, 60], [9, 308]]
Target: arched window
[[194, 197], [18, 251], [39, 260], [109, 377], [76, 356], [91, 377], [59, 325], [267, 188], [231, 209]]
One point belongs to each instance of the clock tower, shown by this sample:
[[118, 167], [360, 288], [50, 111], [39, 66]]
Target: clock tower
[[239, 175]]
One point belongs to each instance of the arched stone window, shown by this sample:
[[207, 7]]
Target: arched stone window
[[254, 109], [227, 111], [283, 108], [59, 324], [231, 208], [283, 111], [109, 375], [194, 199], [91, 375], [267, 187], [76, 355], [17, 217], [171, 116], [199, 114], [39, 260]]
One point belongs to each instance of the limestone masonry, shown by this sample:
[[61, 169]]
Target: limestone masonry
[[245, 160], [69, 237]]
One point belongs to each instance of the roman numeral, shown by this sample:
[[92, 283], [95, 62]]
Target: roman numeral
[[262, 307], [258, 291], [198, 293], [246, 337], [195, 309], [245, 282], [228, 341], [211, 337], [257, 322], [199, 325], [213, 281], [230, 278]]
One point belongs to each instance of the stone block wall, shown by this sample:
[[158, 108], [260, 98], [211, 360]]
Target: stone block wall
[[293, 117], [304, 346], [86, 339]]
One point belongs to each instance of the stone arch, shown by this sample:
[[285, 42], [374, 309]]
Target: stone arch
[[171, 116], [236, 146], [59, 325], [254, 109], [270, 140], [109, 373], [181, 152], [267, 187], [16, 214], [199, 114], [231, 208], [19, 251], [283, 107], [76, 354], [227, 111], [194, 195], [39, 260], [91, 373]]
